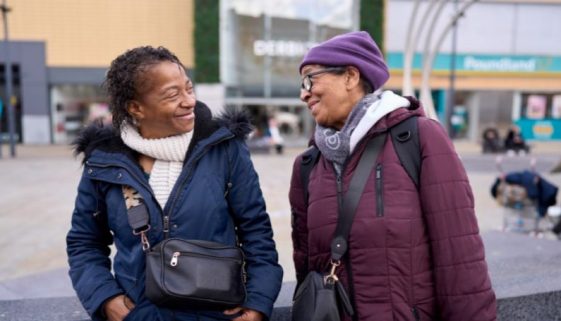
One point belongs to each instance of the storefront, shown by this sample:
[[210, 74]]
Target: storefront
[[29, 93], [50, 104], [539, 115], [16, 103], [494, 91], [76, 99], [74, 106], [261, 48]]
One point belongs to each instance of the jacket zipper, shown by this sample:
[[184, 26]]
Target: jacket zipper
[[379, 192], [173, 197], [416, 313], [339, 191], [176, 255]]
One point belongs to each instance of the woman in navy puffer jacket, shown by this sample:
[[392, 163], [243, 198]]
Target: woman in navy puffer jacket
[[165, 145], [414, 253]]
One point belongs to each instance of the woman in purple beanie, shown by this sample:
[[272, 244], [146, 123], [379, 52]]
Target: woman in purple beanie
[[414, 250]]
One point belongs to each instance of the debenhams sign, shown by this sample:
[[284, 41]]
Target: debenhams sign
[[281, 48]]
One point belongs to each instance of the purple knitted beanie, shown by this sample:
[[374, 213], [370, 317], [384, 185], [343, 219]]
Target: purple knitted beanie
[[356, 49]]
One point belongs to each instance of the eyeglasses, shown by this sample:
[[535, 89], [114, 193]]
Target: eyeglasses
[[307, 79]]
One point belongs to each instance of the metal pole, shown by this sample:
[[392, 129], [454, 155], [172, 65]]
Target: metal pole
[[452, 90], [309, 121], [355, 7], [427, 67], [411, 45], [425, 92], [267, 57], [8, 69]]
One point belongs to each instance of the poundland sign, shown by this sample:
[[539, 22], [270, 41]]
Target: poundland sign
[[485, 63], [500, 64]]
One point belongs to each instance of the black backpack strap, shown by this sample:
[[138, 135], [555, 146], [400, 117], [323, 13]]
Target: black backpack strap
[[405, 138], [352, 196], [309, 160]]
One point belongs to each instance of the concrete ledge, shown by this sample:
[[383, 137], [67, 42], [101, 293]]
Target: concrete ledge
[[543, 307], [48, 309], [524, 272]]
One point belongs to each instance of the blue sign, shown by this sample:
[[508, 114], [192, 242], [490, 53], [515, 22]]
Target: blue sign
[[546, 129], [483, 63]]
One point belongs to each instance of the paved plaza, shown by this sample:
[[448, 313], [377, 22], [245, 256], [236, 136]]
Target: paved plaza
[[37, 191]]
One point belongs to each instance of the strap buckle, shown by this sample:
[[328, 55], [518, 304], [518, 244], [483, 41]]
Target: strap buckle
[[143, 237], [332, 278], [145, 242]]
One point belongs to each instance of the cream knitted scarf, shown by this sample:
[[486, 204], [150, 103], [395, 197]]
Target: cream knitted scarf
[[169, 154]]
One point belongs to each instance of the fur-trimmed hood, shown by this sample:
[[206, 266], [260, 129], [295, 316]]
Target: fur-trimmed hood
[[106, 138]]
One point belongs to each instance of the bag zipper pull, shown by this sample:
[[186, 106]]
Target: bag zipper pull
[[174, 259]]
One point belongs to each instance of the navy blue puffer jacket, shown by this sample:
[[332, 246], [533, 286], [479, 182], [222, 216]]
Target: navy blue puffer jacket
[[197, 209]]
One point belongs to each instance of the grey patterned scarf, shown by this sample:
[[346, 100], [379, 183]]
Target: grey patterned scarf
[[335, 145]]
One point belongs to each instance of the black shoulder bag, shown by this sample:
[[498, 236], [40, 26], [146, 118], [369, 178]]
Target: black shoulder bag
[[188, 273], [321, 297]]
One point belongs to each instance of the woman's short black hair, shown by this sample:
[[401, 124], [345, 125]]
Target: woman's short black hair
[[125, 76]]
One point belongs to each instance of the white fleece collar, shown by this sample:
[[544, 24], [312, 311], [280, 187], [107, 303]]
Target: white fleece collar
[[387, 103]]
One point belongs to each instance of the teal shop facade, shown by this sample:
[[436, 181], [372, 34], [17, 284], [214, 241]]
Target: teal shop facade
[[507, 63], [537, 111]]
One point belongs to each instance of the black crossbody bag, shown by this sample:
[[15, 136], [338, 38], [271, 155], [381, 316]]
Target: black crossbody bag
[[189, 273], [321, 297]]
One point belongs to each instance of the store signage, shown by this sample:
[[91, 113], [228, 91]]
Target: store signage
[[281, 48], [548, 129], [484, 63], [499, 64], [543, 129]]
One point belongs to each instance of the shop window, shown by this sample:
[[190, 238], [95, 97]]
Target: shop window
[[556, 106], [538, 106], [17, 103], [74, 107]]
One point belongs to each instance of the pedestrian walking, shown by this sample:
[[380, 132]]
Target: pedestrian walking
[[190, 176], [413, 251]]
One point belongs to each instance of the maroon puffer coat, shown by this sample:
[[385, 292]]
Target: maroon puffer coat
[[419, 255]]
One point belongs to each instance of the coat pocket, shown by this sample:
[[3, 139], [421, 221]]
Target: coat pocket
[[130, 285]]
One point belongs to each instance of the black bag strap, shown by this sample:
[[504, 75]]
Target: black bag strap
[[137, 214], [347, 212], [309, 160], [138, 217], [405, 138]]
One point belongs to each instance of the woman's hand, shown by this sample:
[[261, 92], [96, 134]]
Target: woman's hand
[[246, 314], [117, 308]]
